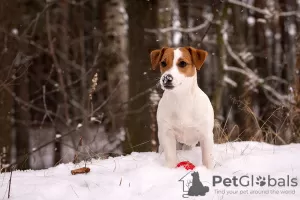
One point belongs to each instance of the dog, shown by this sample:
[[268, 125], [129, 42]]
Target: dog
[[185, 115]]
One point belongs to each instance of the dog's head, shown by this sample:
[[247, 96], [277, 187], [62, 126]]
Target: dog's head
[[177, 65]]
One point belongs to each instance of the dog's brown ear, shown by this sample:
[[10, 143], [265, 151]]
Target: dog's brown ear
[[155, 57], [198, 56]]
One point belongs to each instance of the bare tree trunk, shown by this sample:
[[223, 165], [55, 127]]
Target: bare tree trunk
[[296, 92], [184, 11], [221, 53], [141, 15], [237, 116], [23, 117], [252, 21], [165, 19], [291, 44], [11, 55], [262, 54], [251, 96], [115, 61], [165, 11], [64, 48], [269, 36], [296, 76], [6, 105]]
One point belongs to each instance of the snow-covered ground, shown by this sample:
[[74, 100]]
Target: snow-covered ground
[[143, 176]]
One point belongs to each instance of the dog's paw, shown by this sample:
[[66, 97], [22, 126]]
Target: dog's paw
[[171, 164]]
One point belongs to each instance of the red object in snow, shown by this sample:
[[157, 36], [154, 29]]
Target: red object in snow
[[186, 164]]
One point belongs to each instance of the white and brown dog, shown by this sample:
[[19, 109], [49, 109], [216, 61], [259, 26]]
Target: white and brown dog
[[185, 115]]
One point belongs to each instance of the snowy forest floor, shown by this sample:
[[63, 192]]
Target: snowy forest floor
[[143, 176]]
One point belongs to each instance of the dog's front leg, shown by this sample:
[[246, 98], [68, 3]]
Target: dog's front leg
[[168, 146], [207, 143]]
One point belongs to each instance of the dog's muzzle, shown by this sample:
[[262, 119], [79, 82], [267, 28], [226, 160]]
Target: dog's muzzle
[[167, 81]]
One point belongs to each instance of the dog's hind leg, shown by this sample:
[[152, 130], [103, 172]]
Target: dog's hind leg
[[160, 149]]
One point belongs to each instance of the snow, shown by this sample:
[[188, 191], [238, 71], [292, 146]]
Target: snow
[[143, 176], [277, 36], [225, 36], [79, 125], [15, 31], [261, 20], [292, 29], [251, 20], [268, 33], [154, 97], [58, 135]]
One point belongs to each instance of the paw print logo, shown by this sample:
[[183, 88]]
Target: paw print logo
[[261, 181]]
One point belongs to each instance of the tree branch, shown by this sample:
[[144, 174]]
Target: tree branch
[[179, 29]]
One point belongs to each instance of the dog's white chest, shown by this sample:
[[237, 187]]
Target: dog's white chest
[[179, 116], [185, 117], [184, 127]]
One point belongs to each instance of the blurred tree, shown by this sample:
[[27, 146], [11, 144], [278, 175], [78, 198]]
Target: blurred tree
[[184, 13], [142, 14], [22, 116], [114, 60], [7, 53], [165, 20], [221, 31], [297, 78]]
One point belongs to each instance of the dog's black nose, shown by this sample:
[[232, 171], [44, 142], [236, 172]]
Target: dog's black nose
[[167, 79]]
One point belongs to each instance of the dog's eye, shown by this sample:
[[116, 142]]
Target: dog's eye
[[163, 63], [182, 64]]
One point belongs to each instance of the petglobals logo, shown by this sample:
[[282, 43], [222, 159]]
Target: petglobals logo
[[251, 181], [193, 184]]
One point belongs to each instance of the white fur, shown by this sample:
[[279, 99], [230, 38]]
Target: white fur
[[185, 115]]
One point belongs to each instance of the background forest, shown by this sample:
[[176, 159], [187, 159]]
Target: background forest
[[76, 81]]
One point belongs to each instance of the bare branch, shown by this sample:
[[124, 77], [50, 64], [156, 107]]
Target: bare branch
[[254, 80], [250, 7], [45, 106], [289, 13], [57, 66], [230, 81], [265, 11], [180, 29]]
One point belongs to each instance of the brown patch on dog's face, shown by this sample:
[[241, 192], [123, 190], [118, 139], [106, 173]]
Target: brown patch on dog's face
[[198, 56], [162, 58], [189, 59], [185, 64], [166, 61]]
